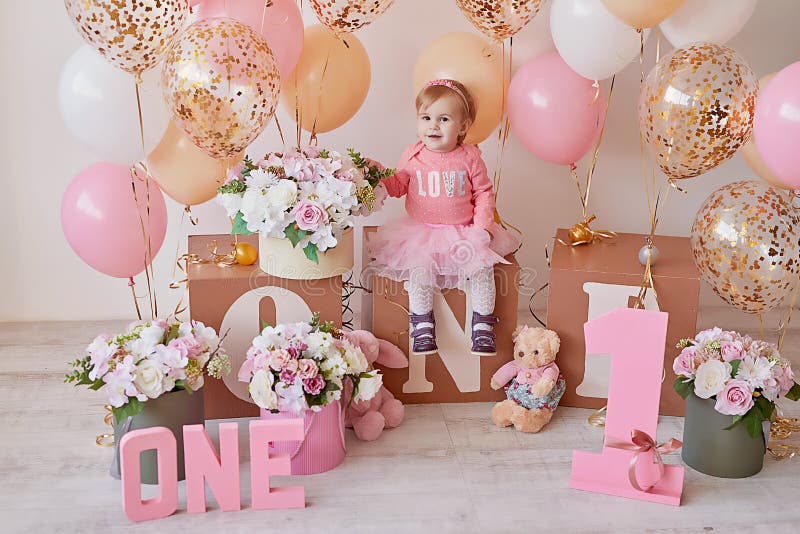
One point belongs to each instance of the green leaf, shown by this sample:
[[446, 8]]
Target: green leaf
[[294, 234], [736, 419], [239, 225], [735, 367], [236, 187], [311, 252], [97, 384], [683, 386], [794, 393], [264, 324], [180, 384], [172, 333], [765, 406], [130, 409], [752, 421]]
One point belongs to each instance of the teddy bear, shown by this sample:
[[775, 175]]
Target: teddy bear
[[369, 418], [536, 384]]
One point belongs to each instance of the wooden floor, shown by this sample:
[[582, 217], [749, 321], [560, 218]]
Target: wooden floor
[[446, 469]]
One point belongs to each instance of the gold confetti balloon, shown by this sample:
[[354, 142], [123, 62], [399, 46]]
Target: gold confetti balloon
[[221, 82], [499, 19], [745, 245], [131, 34], [345, 16], [696, 108]]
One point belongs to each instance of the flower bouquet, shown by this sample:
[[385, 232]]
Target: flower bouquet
[[308, 196], [730, 381], [299, 370], [303, 366], [147, 360], [151, 375]]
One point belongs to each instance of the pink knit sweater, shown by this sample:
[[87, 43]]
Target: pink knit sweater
[[444, 187]]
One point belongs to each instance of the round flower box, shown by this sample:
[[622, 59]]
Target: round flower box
[[170, 410], [277, 257], [323, 447], [710, 449]]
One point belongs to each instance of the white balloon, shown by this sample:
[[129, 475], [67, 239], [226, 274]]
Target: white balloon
[[592, 41], [98, 105], [715, 21]]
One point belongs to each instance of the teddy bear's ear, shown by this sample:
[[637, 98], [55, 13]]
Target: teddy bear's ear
[[554, 340], [517, 331]]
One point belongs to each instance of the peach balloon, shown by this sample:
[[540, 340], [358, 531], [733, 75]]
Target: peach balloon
[[330, 82], [186, 173], [751, 155], [641, 14], [477, 64]]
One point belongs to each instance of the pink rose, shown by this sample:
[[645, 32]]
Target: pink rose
[[684, 362], [291, 366], [246, 371], [307, 369], [735, 399], [187, 346], [287, 376], [278, 359], [309, 215], [731, 350], [314, 385], [345, 176]]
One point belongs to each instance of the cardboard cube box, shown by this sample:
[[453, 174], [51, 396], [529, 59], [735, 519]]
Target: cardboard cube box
[[236, 300], [589, 280], [453, 374]]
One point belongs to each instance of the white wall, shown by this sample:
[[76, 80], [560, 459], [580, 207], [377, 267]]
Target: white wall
[[42, 279]]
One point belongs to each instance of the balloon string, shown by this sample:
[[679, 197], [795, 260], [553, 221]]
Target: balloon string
[[298, 114], [175, 265], [131, 283], [596, 152], [652, 194], [148, 257], [312, 139], [267, 3]]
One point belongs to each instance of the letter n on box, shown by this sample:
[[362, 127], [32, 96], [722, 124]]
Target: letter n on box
[[452, 375], [589, 280], [236, 299]]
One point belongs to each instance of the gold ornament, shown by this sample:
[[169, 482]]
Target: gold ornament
[[499, 19], [221, 82], [346, 16], [246, 254], [132, 34], [696, 108], [745, 245]]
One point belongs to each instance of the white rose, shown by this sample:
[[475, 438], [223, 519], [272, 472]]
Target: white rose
[[368, 387], [711, 378], [149, 378], [260, 389], [282, 195]]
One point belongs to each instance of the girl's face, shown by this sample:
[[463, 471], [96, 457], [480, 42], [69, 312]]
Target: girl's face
[[440, 124]]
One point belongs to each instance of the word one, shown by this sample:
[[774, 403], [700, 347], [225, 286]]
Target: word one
[[203, 464]]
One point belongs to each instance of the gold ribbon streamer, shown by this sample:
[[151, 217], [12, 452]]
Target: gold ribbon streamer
[[582, 233], [182, 263], [642, 442], [107, 439], [780, 429]]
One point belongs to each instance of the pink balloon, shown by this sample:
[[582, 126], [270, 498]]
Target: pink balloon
[[555, 112], [776, 125], [281, 24], [101, 222]]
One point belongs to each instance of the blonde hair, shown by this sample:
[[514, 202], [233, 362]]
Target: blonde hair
[[436, 89]]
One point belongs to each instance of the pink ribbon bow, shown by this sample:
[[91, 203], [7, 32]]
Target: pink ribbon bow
[[643, 442]]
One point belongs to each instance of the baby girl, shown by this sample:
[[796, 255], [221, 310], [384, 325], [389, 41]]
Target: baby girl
[[450, 235]]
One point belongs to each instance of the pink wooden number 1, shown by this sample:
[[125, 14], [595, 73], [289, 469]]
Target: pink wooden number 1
[[635, 339]]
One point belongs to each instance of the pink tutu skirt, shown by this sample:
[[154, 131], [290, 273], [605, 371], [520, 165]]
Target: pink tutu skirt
[[442, 256]]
